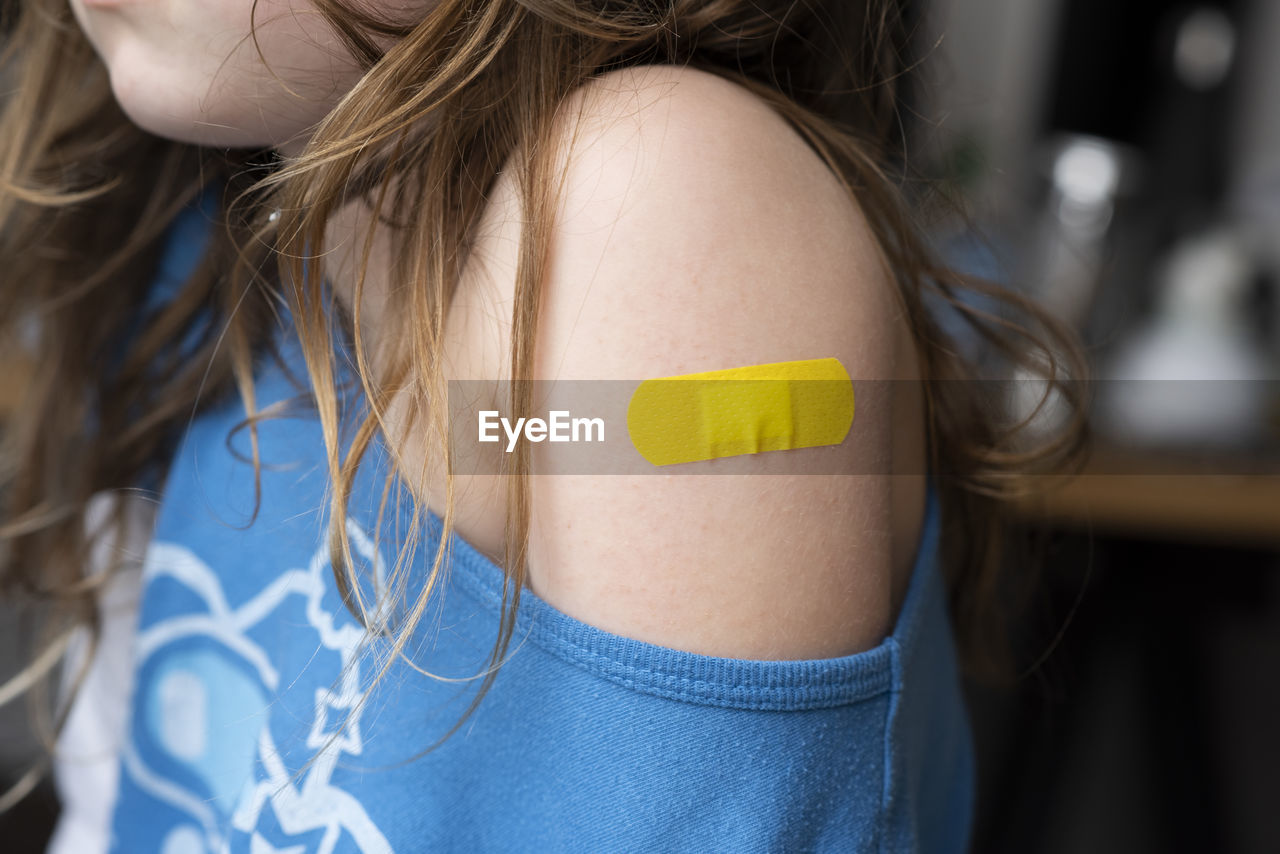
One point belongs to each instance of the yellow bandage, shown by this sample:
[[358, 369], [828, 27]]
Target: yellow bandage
[[747, 410]]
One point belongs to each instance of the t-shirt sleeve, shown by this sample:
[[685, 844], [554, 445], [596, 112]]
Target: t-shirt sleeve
[[589, 741]]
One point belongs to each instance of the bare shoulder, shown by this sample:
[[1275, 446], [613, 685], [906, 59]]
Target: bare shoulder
[[696, 198], [698, 231]]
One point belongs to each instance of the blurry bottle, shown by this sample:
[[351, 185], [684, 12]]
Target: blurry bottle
[[1087, 175], [1193, 374]]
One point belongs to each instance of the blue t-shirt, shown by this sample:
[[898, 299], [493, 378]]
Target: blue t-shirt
[[248, 664]]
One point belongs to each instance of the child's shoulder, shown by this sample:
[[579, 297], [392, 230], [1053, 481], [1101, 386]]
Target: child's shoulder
[[687, 201], [697, 230]]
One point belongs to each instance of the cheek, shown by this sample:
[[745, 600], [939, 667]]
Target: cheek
[[192, 72]]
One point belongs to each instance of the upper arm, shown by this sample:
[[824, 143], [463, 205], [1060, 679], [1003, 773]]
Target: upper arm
[[698, 232]]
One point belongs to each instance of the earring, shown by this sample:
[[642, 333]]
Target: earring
[[274, 215]]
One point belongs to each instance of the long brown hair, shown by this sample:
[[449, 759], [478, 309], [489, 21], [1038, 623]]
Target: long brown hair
[[443, 103]]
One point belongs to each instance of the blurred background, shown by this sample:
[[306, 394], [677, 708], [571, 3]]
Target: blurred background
[[1119, 162]]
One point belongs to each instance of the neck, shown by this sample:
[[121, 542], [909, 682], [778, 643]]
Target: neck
[[344, 243]]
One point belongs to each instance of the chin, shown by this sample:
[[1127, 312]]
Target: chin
[[168, 127], [183, 121]]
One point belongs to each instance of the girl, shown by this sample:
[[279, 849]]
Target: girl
[[254, 251]]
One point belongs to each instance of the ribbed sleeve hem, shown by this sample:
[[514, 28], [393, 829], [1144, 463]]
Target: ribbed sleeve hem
[[690, 677]]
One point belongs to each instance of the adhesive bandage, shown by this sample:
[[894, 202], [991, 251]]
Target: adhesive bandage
[[749, 410]]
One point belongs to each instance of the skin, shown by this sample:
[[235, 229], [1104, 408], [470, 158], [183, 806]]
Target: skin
[[189, 71], [650, 278]]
